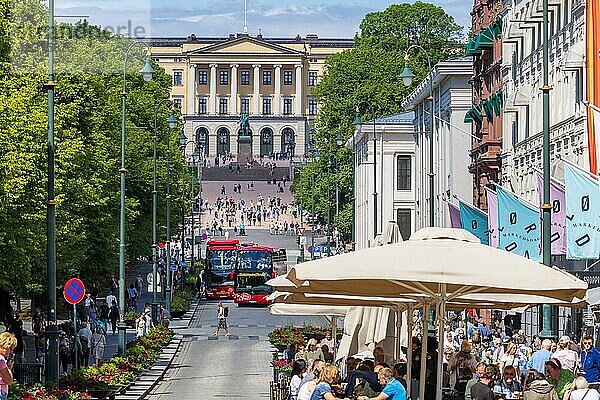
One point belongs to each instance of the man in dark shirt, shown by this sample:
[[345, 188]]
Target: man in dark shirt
[[481, 390]]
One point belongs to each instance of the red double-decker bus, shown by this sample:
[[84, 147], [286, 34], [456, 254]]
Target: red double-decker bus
[[219, 268], [255, 266]]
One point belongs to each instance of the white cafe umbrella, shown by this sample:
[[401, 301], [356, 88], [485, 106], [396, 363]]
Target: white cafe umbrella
[[437, 264], [308, 309]]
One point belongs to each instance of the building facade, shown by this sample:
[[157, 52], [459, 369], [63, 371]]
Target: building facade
[[486, 113], [452, 139], [522, 125], [216, 80], [394, 148]]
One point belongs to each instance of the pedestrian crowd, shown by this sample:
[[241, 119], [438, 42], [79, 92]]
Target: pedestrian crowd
[[479, 363]]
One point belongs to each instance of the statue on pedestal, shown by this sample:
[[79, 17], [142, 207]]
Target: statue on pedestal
[[244, 125]]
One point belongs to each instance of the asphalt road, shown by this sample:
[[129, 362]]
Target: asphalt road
[[235, 367]]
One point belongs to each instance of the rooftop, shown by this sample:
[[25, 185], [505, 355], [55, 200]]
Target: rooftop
[[311, 40]]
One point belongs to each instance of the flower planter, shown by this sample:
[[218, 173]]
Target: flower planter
[[130, 323], [177, 314], [280, 347], [317, 336], [101, 394]]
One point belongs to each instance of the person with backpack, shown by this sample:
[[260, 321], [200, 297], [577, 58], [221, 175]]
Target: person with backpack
[[85, 338], [222, 314]]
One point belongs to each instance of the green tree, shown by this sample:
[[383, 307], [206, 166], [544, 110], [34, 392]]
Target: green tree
[[87, 138], [369, 72]]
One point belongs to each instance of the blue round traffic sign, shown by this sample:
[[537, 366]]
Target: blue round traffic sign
[[74, 291]]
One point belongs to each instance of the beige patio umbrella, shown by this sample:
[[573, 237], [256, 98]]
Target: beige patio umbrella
[[308, 309], [436, 265]]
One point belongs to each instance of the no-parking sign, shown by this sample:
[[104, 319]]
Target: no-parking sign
[[74, 291]]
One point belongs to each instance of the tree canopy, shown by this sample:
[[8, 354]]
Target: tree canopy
[[370, 72], [87, 139]]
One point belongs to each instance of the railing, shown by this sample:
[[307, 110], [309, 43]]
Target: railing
[[28, 373]]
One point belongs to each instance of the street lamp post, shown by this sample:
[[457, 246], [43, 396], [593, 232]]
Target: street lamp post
[[339, 141], [546, 207], [370, 107], [146, 72], [312, 151], [172, 122], [198, 153], [328, 205], [51, 332], [407, 78]]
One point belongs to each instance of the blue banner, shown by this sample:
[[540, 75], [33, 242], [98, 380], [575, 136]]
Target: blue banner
[[475, 221], [583, 214], [518, 226]]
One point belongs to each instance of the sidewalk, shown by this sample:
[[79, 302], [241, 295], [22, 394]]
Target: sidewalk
[[111, 340]]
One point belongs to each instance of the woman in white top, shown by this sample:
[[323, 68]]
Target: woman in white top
[[298, 370], [510, 358], [580, 390]]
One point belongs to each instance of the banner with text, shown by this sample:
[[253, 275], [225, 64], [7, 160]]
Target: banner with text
[[492, 204], [558, 237], [518, 226], [475, 221], [583, 214]]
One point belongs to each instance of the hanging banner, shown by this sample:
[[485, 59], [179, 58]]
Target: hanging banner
[[454, 212], [558, 237], [475, 221], [592, 44], [492, 204], [518, 226], [583, 214]]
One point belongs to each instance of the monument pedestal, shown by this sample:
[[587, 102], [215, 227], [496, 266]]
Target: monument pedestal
[[244, 149]]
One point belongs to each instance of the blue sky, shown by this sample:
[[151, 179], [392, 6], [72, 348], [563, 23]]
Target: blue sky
[[327, 18]]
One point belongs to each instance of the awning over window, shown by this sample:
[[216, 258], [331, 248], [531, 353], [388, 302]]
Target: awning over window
[[486, 38], [489, 108]]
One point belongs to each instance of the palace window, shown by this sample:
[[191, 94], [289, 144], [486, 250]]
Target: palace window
[[178, 77], [267, 76], [244, 105], [224, 77], [267, 106], [223, 105], [313, 106], [403, 219], [202, 77], [202, 108], [287, 106], [245, 77], [312, 78], [177, 102], [288, 77]]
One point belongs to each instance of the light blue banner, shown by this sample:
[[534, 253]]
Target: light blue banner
[[518, 226], [475, 221], [583, 214]]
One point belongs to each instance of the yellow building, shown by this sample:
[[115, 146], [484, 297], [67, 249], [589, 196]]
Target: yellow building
[[217, 79]]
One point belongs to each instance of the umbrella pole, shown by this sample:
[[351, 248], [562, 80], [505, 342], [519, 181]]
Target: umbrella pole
[[334, 334], [440, 358], [425, 322], [398, 332], [409, 350]]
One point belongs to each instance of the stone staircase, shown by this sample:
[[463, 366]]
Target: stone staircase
[[255, 174]]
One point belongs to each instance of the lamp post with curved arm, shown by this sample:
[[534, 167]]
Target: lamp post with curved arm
[[407, 77], [372, 111], [312, 151], [172, 122], [147, 72]]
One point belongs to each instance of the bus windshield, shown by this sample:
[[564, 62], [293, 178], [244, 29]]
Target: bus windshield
[[255, 260], [222, 261]]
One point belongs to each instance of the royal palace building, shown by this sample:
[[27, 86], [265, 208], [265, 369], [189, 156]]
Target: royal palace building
[[217, 80]]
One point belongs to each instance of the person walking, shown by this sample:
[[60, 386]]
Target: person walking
[[140, 325], [98, 345], [222, 314], [133, 295], [113, 316], [85, 338]]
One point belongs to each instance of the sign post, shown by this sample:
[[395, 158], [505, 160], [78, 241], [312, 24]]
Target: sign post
[[73, 292]]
